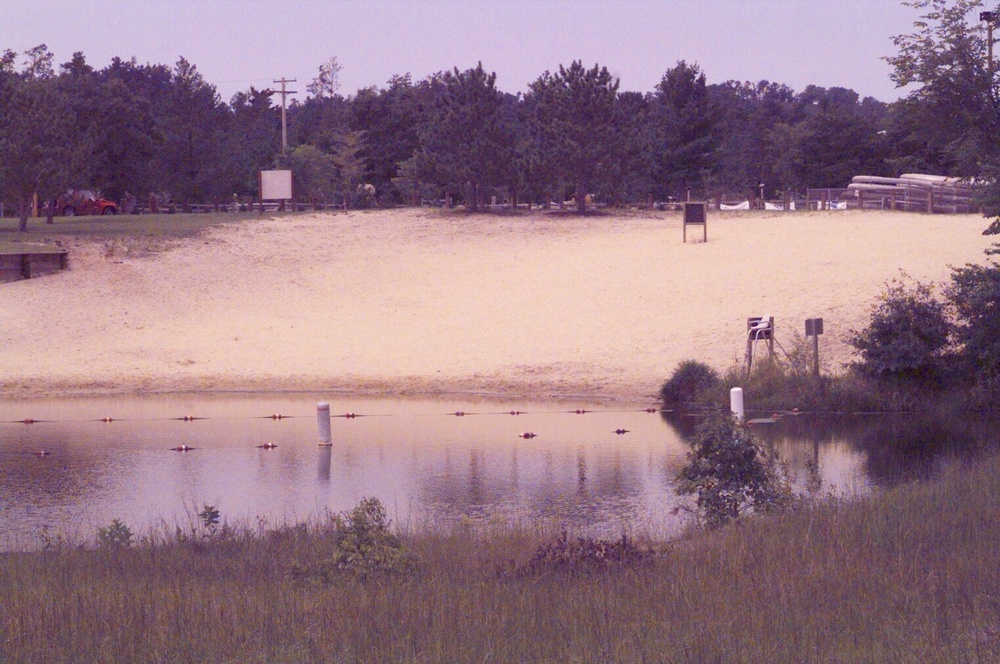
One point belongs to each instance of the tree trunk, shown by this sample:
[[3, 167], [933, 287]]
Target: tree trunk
[[471, 196], [581, 197]]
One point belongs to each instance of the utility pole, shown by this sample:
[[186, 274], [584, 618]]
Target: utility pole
[[989, 18], [284, 126]]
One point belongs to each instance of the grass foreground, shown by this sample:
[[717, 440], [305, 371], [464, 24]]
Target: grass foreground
[[909, 574]]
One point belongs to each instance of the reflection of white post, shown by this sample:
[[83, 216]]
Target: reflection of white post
[[323, 422], [323, 465], [736, 403]]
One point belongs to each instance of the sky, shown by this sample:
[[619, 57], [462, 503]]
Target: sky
[[244, 43]]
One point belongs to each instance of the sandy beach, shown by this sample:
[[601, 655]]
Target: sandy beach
[[425, 302]]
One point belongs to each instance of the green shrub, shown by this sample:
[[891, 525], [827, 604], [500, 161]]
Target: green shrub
[[364, 545], [975, 293], [116, 535], [907, 337], [688, 384], [730, 472]]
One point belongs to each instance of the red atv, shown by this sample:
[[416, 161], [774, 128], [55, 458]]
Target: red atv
[[83, 202]]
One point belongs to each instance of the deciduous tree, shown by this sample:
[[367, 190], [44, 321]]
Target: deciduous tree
[[40, 150]]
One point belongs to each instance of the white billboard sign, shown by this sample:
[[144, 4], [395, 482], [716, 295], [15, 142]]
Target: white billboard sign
[[275, 185]]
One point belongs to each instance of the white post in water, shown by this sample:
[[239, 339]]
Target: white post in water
[[736, 403], [323, 422]]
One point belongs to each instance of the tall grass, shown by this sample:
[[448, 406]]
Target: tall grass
[[907, 575]]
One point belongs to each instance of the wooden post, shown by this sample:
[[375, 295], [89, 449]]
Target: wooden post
[[815, 354], [814, 328], [930, 201], [861, 199]]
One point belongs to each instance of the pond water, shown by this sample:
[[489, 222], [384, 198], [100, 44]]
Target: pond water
[[429, 466]]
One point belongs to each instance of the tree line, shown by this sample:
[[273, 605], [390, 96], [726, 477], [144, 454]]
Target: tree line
[[133, 129]]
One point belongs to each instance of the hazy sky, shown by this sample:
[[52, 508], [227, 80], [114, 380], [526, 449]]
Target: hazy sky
[[239, 43]]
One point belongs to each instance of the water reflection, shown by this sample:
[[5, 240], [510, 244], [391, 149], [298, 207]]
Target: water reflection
[[426, 464]]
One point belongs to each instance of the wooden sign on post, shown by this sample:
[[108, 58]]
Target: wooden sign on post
[[695, 213], [814, 328], [275, 186]]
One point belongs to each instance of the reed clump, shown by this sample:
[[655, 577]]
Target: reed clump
[[908, 574]]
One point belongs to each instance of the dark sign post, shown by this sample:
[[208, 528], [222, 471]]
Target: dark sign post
[[814, 328], [694, 214]]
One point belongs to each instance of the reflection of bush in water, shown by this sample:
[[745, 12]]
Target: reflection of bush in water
[[897, 447], [683, 425], [901, 448]]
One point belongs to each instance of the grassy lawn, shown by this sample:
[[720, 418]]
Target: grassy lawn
[[161, 226]]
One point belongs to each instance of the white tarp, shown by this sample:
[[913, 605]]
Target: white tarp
[[745, 205]]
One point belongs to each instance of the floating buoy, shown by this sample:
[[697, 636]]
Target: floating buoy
[[459, 413], [277, 417], [268, 446], [350, 416], [515, 412], [42, 453], [189, 418], [27, 420], [107, 419], [621, 431], [580, 411], [527, 434], [182, 448], [650, 410]]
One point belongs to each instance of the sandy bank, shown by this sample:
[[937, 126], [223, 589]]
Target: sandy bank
[[422, 302]]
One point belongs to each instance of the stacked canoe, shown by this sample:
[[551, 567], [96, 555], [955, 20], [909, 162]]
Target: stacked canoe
[[915, 192]]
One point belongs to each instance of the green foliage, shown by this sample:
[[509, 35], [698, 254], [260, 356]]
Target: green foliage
[[574, 115], [688, 384], [364, 545], [975, 293], [39, 150], [116, 536], [954, 101], [686, 137], [315, 173], [730, 472], [467, 141], [908, 334]]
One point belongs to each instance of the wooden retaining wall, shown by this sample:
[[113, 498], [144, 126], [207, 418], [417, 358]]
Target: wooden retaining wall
[[25, 265]]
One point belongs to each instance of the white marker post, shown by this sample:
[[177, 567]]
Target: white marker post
[[323, 423], [736, 403]]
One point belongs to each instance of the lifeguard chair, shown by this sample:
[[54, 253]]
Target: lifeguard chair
[[759, 328]]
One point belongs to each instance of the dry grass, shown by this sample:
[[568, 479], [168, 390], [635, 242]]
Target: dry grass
[[909, 575]]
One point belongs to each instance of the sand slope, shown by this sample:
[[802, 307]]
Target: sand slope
[[422, 301]]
